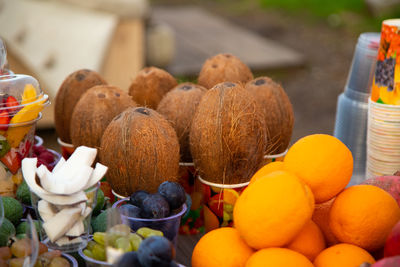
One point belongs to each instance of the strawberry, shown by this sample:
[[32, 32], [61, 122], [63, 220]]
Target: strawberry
[[11, 103], [12, 160], [4, 120], [24, 149]]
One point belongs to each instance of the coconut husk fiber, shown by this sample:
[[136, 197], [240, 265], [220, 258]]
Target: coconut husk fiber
[[94, 111], [141, 150], [228, 137], [222, 68], [278, 110], [150, 85], [72, 88], [178, 107]]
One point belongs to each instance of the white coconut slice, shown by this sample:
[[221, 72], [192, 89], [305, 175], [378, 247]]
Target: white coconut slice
[[58, 165], [66, 241], [99, 171], [64, 199], [82, 156], [77, 229], [46, 178], [87, 212], [45, 209], [63, 184], [61, 223], [29, 172]]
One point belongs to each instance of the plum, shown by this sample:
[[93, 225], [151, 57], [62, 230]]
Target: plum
[[130, 211], [156, 251], [392, 245], [137, 198], [154, 206], [387, 262], [173, 193]]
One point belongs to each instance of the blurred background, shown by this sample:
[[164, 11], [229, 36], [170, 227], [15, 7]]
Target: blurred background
[[305, 45]]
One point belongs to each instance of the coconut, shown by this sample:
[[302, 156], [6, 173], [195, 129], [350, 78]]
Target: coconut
[[222, 68], [94, 111], [73, 87], [228, 137], [141, 150], [178, 107], [279, 117], [150, 85]]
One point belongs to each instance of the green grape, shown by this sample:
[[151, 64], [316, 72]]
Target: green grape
[[88, 253], [99, 253], [147, 232], [121, 229], [135, 241], [111, 238], [227, 217], [99, 238], [90, 245], [124, 244], [228, 208]]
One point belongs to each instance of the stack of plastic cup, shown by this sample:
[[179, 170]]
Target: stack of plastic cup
[[383, 139], [352, 106]]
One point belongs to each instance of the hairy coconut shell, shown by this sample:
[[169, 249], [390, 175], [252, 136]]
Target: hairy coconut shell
[[228, 137], [150, 85], [178, 107], [279, 116], [72, 88], [94, 111], [223, 68], [141, 150]]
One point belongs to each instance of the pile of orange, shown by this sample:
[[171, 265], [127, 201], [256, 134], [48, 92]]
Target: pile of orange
[[298, 213]]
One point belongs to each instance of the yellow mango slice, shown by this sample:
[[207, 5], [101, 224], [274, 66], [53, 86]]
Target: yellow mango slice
[[29, 94]]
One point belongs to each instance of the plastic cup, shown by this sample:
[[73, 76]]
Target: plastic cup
[[168, 225], [117, 196], [90, 262], [276, 157], [21, 101], [66, 149], [220, 200], [38, 141], [81, 241]]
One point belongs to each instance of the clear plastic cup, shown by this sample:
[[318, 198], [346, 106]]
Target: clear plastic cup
[[276, 157], [66, 149], [168, 225], [74, 243], [219, 202]]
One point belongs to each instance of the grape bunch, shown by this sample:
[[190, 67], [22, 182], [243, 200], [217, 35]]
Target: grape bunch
[[384, 74]]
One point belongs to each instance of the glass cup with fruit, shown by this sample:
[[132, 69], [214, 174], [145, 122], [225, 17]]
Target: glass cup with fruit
[[21, 101]]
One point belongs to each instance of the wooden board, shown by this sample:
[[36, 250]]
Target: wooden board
[[200, 35]]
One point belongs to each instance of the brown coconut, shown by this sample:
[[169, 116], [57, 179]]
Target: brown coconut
[[279, 116], [141, 150], [228, 137], [94, 111], [150, 85], [72, 88], [222, 68], [178, 107]]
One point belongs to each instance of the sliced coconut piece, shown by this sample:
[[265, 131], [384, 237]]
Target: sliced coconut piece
[[29, 172], [46, 178], [61, 223], [67, 241], [64, 200], [62, 184], [77, 229], [87, 212], [82, 156], [99, 171], [45, 209], [82, 206], [58, 165]]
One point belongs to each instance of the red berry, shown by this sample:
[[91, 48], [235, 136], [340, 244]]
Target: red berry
[[4, 120], [12, 103]]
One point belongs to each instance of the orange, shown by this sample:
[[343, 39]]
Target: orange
[[364, 215], [309, 242], [323, 162], [278, 257], [267, 169], [221, 247], [271, 211], [321, 218], [343, 255], [230, 196]]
